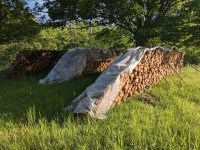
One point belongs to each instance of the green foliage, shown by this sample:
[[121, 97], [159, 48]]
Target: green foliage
[[114, 38], [158, 42], [67, 38], [16, 22], [192, 54], [9, 52], [31, 116], [143, 19], [192, 28]]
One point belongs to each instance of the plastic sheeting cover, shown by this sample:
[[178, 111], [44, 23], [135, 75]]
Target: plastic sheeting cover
[[99, 97], [71, 64]]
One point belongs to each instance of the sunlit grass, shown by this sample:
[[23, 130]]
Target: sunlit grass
[[31, 116]]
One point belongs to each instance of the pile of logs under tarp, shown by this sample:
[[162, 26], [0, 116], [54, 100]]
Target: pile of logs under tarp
[[98, 66], [152, 68], [99, 59], [33, 61]]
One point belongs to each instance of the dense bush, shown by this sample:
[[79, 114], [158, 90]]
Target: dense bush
[[192, 54]]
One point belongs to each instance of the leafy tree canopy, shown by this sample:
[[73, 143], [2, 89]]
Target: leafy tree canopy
[[191, 27], [144, 19], [16, 22]]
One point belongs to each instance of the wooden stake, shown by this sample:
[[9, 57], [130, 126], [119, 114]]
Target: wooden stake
[[191, 65], [163, 75], [174, 70]]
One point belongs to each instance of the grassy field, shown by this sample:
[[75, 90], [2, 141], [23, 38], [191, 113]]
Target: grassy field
[[31, 116]]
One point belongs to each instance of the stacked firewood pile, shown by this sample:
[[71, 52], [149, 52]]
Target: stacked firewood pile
[[99, 59], [154, 66], [57, 58], [98, 66], [39, 60], [33, 62]]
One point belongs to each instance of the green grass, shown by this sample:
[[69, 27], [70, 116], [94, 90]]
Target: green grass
[[31, 116]]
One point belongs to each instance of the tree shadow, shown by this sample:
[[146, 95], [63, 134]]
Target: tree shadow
[[22, 97]]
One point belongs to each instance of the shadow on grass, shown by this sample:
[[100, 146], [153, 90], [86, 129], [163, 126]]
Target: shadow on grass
[[22, 96]]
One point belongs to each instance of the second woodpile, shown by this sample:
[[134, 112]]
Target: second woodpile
[[99, 59], [33, 62], [152, 68], [98, 66]]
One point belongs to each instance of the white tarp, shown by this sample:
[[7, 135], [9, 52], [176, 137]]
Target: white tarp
[[71, 64], [99, 97]]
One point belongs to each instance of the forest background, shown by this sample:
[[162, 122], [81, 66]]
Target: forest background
[[47, 26]]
